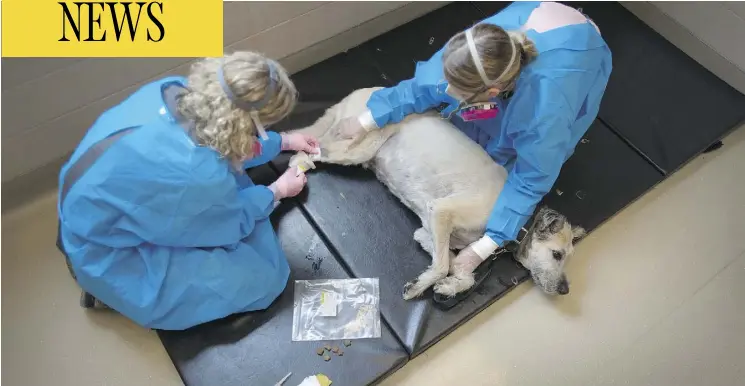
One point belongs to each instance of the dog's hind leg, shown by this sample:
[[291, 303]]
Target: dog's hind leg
[[357, 151], [440, 222], [326, 128], [323, 127]]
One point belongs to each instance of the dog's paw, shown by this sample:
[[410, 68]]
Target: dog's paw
[[412, 290], [453, 285], [447, 287]]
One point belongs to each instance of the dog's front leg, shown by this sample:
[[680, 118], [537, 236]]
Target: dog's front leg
[[441, 225], [459, 280], [424, 238]]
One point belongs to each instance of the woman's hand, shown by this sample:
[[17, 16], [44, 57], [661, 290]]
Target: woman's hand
[[300, 142], [289, 184], [467, 260], [473, 255]]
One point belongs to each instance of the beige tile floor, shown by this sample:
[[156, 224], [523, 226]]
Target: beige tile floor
[[658, 298]]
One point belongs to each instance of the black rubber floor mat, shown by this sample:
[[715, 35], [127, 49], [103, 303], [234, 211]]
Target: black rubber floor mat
[[372, 231], [325, 84], [338, 76], [256, 348], [489, 8], [666, 104], [601, 178], [373, 234], [397, 51]]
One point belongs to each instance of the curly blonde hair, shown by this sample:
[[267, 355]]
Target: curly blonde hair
[[217, 122], [494, 46]]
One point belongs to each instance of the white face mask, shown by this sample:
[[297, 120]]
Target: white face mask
[[463, 97]]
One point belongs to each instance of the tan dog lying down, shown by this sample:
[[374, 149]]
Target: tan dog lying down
[[451, 183]]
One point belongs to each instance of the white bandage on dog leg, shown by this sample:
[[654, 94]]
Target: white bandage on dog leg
[[484, 247], [305, 165], [302, 161], [316, 156], [367, 121]]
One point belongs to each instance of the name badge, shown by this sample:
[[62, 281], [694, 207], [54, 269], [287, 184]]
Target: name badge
[[479, 111]]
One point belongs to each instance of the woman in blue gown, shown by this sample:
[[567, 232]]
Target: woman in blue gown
[[526, 85], [158, 218]]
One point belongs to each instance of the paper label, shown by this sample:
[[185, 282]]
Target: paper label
[[301, 168], [328, 304]]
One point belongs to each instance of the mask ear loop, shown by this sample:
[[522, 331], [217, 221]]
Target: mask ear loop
[[259, 126], [251, 107]]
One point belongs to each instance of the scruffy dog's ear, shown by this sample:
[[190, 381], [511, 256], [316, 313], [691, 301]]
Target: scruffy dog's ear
[[577, 233], [548, 222]]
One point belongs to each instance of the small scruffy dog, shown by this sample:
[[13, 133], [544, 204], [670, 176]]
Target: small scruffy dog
[[451, 183]]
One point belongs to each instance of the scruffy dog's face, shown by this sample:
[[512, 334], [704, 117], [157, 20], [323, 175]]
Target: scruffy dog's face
[[549, 243]]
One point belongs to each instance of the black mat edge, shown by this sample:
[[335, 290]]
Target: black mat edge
[[422, 349]]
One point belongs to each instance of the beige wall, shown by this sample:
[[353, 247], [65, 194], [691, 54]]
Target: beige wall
[[48, 104], [711, 32]]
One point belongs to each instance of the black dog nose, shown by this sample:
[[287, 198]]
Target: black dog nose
[[563, 287]]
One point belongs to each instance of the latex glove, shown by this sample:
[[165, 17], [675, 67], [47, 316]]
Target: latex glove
[[473, 255], [289, 184], [300, 142]]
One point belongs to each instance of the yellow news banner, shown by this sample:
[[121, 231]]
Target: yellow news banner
[[163, 28]]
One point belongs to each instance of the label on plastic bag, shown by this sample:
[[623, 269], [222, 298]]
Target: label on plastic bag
[[333, 309], [328, 304]]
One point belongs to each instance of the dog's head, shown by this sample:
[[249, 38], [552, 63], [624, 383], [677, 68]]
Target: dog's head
[[545, 249]]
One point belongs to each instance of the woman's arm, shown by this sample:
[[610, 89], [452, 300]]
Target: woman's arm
[[177, 207], [424, 91], [538, 122], [270, 148]]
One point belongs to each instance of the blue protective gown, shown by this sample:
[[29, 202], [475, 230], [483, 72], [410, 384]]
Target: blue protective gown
[[555, 101], [165, 231]]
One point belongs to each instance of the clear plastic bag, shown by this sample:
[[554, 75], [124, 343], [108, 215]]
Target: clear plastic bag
[[336, 309]]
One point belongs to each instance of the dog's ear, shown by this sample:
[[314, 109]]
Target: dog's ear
[[577, 233], [548, 222]]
